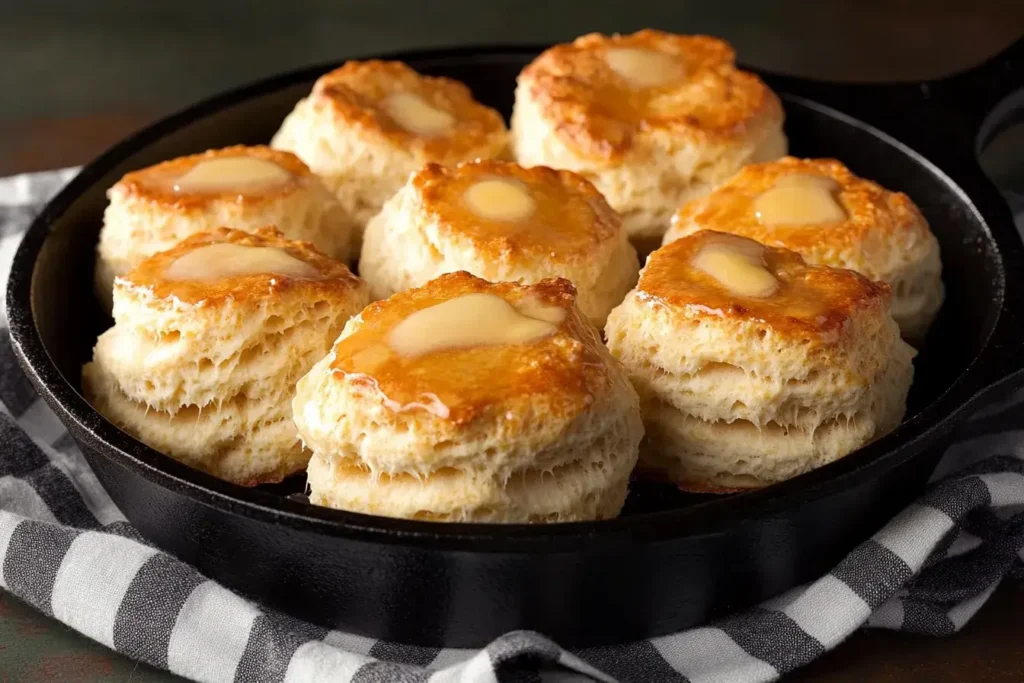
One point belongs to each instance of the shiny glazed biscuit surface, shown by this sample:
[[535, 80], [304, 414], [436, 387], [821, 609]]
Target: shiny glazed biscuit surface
[[878, 233], [601, 113], [870, 208], [356, 95], [477, 380], [152, 273], [156, 183], [568, 217], [810, 301]]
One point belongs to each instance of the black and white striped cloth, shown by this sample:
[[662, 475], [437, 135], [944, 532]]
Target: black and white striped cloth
[[67, 550]]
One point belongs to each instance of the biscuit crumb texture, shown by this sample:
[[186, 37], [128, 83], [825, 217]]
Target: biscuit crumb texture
[[523, 451], [407, 244], [210, 383], [730, 403]]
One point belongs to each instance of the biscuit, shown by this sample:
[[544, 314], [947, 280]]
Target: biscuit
[[154, 208], [367, 125], [879, 233], [652, 119], [208, 342], [755, 370], [502, 223], [464, 401]]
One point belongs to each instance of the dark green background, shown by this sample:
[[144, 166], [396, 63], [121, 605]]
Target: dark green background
[[62, 58]]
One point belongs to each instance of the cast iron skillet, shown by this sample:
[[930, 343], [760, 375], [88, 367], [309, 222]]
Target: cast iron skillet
[[672, 560]]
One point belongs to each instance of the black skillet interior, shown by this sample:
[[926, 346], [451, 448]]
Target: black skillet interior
[[52, 294]]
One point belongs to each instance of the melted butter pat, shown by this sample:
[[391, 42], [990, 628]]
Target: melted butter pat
[[219, 261], [644, 68], [499, 200], [231, 173], [371, 358], [533, 307], [470, 321], [416, 115], [739, 267], [800, 199]]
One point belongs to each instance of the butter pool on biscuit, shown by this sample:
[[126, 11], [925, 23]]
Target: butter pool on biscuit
[[831, 217], [245, 188]]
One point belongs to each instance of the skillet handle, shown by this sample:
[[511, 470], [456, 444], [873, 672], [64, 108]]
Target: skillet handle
[[951, 116], [974, 105], [971, 108], [978, 96], [979, 103]]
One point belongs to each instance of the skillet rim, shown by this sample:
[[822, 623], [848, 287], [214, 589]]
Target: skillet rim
[[912, 436]]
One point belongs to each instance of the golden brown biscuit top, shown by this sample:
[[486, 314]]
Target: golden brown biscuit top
[[357, 93], [535, 211], [325, 275], [808, 301], [158, 183], [563, 369], [871, 210], [600, 112]]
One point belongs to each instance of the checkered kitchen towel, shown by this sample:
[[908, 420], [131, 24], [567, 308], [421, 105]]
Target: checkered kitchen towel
[[68, 551]]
